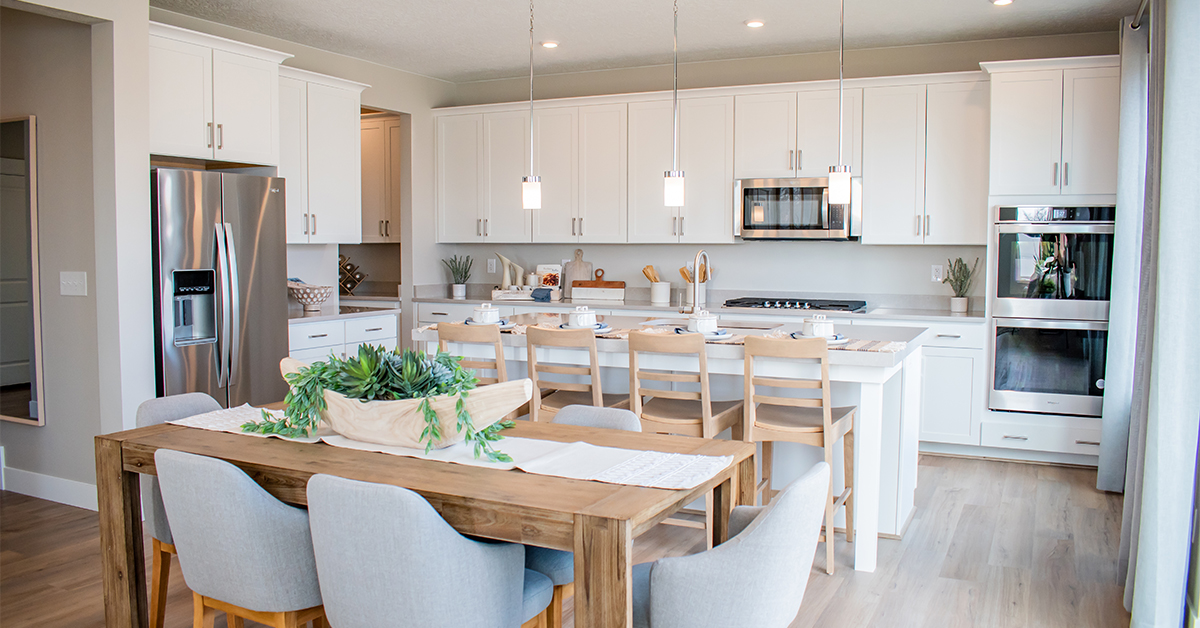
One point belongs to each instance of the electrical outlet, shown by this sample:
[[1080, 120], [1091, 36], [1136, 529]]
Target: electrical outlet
[[72, 284], [939, 273], [491, 265]]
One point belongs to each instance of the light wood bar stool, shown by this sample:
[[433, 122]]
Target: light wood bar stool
[[480, 335], [558, 395], [809, 421], [680, 412]]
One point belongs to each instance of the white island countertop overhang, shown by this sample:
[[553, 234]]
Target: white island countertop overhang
[[886, 387]]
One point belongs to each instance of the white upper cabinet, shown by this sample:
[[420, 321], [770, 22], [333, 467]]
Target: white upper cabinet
[[320, 157], [706, 158], [893, 164], [555, 143], [213, 98], [602, 173], [795, 135], [956, 163], [817, 132], [382, 154], [651, 135], [1054, 129], [459, 176], [505, 162]]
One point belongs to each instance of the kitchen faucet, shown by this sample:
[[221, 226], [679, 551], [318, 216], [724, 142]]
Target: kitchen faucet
[[696, 278]]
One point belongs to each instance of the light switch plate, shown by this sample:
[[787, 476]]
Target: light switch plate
[[938, 274], [72, 283]]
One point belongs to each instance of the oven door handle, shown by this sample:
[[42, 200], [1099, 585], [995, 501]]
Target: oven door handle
[[1038, 323], [1055, 227]]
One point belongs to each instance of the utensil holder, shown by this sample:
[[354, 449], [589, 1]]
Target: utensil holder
[[688, 297], [660, 293]]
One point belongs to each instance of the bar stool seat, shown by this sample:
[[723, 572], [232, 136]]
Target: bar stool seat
[[555, 400], [785, 419], [684, 413]]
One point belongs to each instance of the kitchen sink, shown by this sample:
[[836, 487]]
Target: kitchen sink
[[682, 322]]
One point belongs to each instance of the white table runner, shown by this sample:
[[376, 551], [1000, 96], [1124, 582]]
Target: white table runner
[[577, 460]]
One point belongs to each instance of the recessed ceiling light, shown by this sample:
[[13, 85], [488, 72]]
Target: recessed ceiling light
[[554, 44], [1001, 3], [759, 23]]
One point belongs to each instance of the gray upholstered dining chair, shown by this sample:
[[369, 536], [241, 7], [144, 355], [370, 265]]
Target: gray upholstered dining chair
[[387, 558], [558, 565], [242, 551], [757, 578], [162, 546]]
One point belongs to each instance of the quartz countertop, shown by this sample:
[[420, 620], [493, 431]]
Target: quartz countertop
[[329, 313]]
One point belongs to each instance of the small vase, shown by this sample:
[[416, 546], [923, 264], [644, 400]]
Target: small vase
[[958, 304], [458, 290]]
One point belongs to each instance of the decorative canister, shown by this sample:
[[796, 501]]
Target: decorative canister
[[485, 314], [582, 317], [703, 322]]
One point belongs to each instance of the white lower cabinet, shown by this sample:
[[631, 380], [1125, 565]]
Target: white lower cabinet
[[951, 395], [309, 342]]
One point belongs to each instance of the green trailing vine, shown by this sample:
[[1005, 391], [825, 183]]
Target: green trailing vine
[[377, 374]]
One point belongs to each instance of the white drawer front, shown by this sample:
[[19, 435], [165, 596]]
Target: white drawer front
[[310, 335], [308, 356], [955, 335], [1056, 438], [387, 343], [453, 312], [370, 330]]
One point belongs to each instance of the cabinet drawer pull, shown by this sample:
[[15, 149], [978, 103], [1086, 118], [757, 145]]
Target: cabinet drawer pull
[[374, 329], [1093, 443], [1008, 437], [949, 336], [318, 336], [441, 314]]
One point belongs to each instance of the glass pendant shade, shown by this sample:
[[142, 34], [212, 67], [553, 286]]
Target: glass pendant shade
[[839, 185], [531, 192], [673, 188]]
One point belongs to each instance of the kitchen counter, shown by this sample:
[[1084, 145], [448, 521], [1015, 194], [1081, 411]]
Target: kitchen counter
[[329, 313]]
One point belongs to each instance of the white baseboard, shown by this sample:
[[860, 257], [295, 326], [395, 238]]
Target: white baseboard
[[48, 487]]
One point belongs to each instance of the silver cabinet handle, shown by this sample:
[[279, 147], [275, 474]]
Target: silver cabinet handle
[[949, 336], [381, 227], [478, 226], [374, 329], [210, 135], [1056, 173], [1007, 437], [926, 225], [581, 226], [799, 160], [305, 224], [318, 335], [314, 219], [918, 218], [440, 313], [681, 225], [220, 136], [572, 226], [791, 159], [1066, 174], [387, 228], [675, 225], [1093, 443], [486, 231]]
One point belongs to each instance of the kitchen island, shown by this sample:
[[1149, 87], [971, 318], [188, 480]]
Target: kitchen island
[[886, 387]]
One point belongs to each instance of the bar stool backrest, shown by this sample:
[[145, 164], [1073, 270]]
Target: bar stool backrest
[[671, 344], [536, 337], [807, 349], [476, 334]]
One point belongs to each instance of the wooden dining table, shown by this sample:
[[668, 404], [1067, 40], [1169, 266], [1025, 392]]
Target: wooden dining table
[[596, 521]]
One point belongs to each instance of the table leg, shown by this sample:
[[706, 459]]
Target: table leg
[[868, 448], [746, 482], [603, 573], [722, 497], [122, 554]]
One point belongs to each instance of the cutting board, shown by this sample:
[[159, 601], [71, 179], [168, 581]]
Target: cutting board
[[598, 282], [575, 270]]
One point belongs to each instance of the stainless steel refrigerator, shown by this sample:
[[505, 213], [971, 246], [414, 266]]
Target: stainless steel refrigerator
[[220, 285]]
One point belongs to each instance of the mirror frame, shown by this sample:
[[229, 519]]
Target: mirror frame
[[34, 270]]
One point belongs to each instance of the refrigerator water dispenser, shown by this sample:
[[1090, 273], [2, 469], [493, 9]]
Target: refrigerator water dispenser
[[195, 307]]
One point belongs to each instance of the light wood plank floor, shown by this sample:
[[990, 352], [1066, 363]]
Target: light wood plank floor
[[993, 544]]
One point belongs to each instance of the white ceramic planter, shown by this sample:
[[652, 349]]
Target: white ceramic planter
[[959, 304], [458, 290]]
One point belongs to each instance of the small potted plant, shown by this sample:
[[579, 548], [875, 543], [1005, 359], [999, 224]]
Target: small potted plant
[[460, 272], [959, 276]]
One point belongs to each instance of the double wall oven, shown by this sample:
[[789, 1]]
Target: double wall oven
[[1049, 284]]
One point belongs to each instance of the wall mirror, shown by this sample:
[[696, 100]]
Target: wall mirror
[[21, 381]]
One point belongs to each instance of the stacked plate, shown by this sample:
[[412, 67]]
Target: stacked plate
[[599, 328], [504, 323], [720, 334], [833, 341]]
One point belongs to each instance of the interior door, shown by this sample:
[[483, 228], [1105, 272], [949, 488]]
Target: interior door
[[253, 209], [245, 105], [1026, 132], [181, 103]]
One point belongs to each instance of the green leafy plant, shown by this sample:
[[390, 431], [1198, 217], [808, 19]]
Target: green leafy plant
[[460, 268], [959, 276], [378, 374]]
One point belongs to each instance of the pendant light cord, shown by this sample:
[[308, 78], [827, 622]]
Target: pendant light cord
[[841, 76], [675, 88], [531, 87]]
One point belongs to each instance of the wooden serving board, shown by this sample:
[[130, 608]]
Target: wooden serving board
[[599, 282]]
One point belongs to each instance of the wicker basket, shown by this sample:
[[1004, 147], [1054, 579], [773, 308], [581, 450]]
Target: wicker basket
[[400, 423]]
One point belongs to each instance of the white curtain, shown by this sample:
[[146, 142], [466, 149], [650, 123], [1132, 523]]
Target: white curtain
[[1159, 563], [1127, 257]]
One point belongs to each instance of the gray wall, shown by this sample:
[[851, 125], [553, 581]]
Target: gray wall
[[45, 70]]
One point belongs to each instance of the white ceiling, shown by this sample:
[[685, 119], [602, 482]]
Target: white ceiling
[[470, 40]]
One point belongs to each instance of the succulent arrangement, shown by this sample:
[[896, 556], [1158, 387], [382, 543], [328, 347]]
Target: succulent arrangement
[[460, 268], [378, 374], [960, 276]]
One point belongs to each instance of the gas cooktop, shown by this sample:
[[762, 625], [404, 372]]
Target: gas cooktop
[[797, 304]]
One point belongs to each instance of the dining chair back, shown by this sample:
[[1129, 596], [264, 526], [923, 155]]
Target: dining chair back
[[478, 335], [162, 544], [387, 558], [806, 419], [242, 551], [756, 578], [550, 396]]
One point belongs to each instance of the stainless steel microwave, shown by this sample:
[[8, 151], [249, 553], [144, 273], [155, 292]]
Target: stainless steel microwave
[[795, 209]]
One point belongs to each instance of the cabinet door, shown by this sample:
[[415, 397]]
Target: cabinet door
[[505, 162], [893, 164], [334, 165], [459, 174], [245, 102], [651, 138], [764, 140], [602, 173], [293, 156], [1091, 116], [817, 132], [396, 182], [956, 164], [555, 156], [373, 138], [706, 157], [1026, 132], [180, 99], [951, 405]]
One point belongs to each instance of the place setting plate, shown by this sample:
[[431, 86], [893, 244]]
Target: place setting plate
[[833, 341], [599, 328], [720, 334], [504, 323]]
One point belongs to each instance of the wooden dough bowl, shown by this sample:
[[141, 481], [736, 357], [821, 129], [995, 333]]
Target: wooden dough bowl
[[400, 423]]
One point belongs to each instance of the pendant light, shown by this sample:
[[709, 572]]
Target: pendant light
[[673, 180], [839, 175], [531, 186]]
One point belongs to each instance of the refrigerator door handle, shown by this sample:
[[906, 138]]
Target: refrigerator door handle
[[235, 293], [223, 337]]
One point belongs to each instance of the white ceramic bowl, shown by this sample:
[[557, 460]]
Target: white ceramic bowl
[[310, 296], [581, 316]]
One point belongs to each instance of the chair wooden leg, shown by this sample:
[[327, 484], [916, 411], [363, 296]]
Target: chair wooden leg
[[160, 575], [708, 519], [848, 455], [233, 621], [768, 458], [203, 616], [829, 564], [554, 611]]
